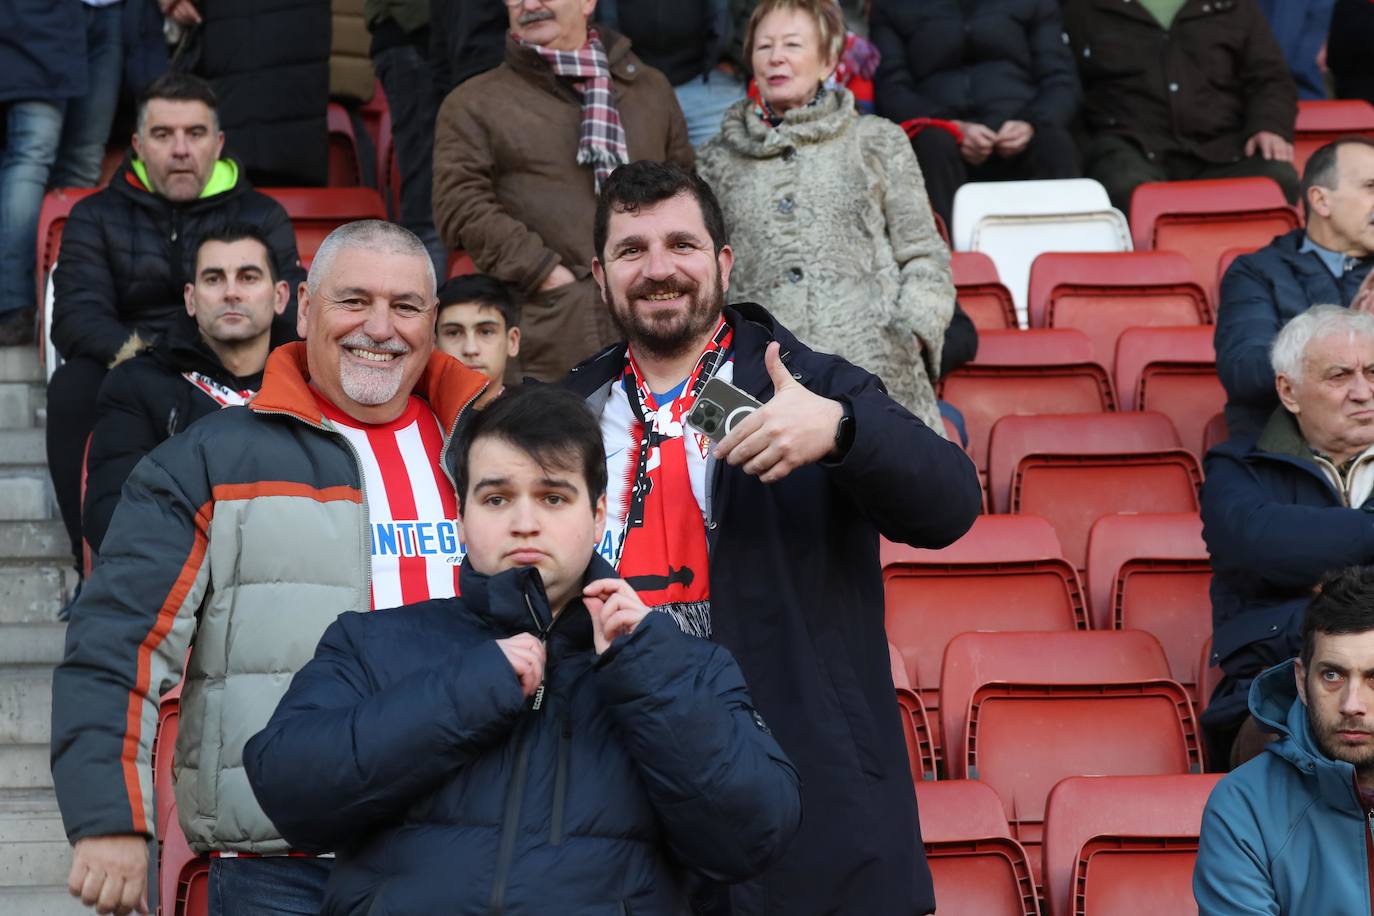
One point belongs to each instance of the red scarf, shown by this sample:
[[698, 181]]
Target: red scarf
[[663, 555]]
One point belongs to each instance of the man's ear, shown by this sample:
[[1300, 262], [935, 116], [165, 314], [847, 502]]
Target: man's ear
[[187, 294], [303, 305], [599, 275], [725, 262], [282, 294], [1318, 202], [512, 343], [599, 517], [1300, 675], [1287, 392]]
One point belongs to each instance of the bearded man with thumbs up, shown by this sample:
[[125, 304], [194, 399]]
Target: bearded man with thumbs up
[[766, 541]]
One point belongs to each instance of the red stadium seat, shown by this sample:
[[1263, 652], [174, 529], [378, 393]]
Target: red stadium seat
[[1152, 573], [1104, 697], [193, 890], [316, 212], [1172, 371], [1228, 257], [1203, 219], [1104, 293], [1072, 469], [345, 161], [1215, 432], [977, 867], [1006, 573], [52, 219], [980, 291], [920, 746], [1023, 373], [1322, 120], [1123, 845], [1209, 676], [460, 264]]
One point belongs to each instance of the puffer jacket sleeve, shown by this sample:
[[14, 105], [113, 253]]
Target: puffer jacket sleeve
[[1231, 877], [126, 429], [728, 798], [925, 302], [1247, 323], [1052, 67], [126, 645], [466, 210], [372, 751], [85, 316]]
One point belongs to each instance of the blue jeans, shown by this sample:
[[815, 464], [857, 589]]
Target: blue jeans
[[409, 85], [704, 103], [87, 127], [33, 130], [271, 886]]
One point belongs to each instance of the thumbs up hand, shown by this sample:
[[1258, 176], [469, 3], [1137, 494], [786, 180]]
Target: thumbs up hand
[[792, 430]]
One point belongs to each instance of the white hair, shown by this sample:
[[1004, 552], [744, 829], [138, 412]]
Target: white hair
[[1290, 347], [374, 235]]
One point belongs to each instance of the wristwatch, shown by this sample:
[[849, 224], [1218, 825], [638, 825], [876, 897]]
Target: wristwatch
[[844, 430]]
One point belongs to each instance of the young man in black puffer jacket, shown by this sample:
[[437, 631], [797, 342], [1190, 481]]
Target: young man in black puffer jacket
[[542, 744], [212, 357]]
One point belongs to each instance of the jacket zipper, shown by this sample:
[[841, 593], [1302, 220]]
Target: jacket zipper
[[511, 820]]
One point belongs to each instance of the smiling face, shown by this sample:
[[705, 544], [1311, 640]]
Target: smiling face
[[556, 24], [1334, 400], [789, 63], [233, 298], [1338, 690], [519, 513], [178, 143], [369, 331], [475, 334], [662, 279]]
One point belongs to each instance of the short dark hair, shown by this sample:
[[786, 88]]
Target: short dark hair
[[1320, 171], [482, 289], [1344, 604], [178, 87], [550, 424], [645, 183], [237, 232]]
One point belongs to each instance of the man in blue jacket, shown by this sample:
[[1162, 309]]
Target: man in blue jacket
[[543, 743], [1290, 832], [767, 542], [1328, 262]]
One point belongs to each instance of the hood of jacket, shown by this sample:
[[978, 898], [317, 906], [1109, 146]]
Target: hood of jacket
[[1274, 703], [746, 133], [514, 601], [226, 181]]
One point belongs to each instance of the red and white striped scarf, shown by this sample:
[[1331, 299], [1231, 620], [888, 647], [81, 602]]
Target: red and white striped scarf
[[602, 144]]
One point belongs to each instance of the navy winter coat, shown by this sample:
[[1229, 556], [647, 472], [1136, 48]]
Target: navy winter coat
[[407, 746], [1260, 293], [1274, 525], [797, 597]]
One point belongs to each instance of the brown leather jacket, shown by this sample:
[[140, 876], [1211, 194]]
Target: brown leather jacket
[[1204, 86], [508, 189]]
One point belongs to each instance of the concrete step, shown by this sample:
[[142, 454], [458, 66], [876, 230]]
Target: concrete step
[[33, 846], [20, 364], [23, 447], [26, 497], [31, 643], [49, 900], [25, 704], [34, 540], [34, 593], [19, 404], [25, 766]]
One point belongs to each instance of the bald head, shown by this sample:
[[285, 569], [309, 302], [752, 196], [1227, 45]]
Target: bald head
[[373, 235]]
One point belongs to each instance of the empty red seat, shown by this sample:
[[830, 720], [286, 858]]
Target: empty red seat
[[1037, 707], [1152, 573], [1322, 120], [460, 264], [1006, 573], [316, 212], [1172, 371], [980, 291], [1123, 845], [1202, 219], [345, 161], [193, 890], [1049, 370], [1104, 293], [977, 867]]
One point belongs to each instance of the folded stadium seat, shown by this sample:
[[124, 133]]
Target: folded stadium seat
[[1215, 432], [1070, 469], [52, 219], [920, 748], [1013, 221], [1103, 294], [460, 264], [1209, 675], [345, 161], [978, 868], [193, 890], [1006, 573], [1021, 711], [1228, 257], [316, 212], [1048, 370], [1172, 371], [1123, 845], [1203, 219], [1152, 572], [980, 291], [182, 877], [1322, 120]]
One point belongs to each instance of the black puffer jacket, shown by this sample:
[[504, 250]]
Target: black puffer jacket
[[143, 402], [986, 61], [127, 254]]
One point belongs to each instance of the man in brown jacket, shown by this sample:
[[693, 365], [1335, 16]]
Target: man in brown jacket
[[1181, 89], [519, 153]]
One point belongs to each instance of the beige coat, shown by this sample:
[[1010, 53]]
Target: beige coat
[[832, 233]]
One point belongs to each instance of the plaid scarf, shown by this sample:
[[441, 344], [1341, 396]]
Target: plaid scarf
[[602, 144]]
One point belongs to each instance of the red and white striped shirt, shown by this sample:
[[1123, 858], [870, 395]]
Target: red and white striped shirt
[[417, 542]]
